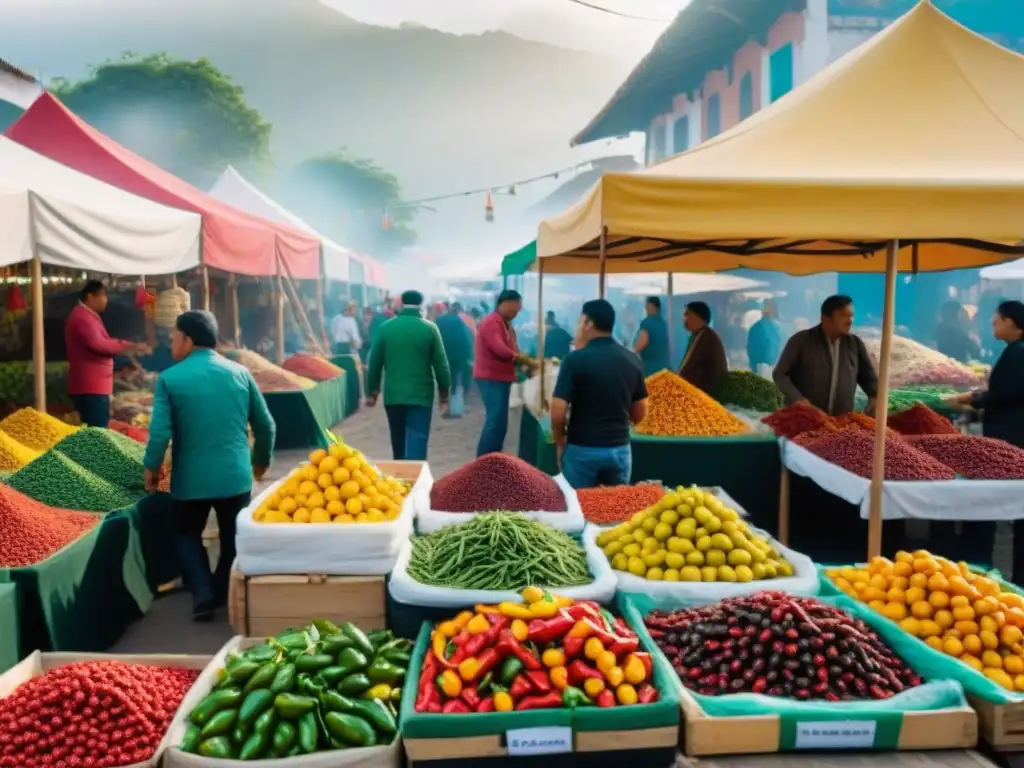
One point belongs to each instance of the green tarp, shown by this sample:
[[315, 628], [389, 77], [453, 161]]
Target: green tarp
[[9, 648], [153, 518], [304, 417], [519, 262], [353, 381]]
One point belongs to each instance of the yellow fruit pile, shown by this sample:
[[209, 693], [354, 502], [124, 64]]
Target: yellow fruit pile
[[35, 429], [677, 408], [954, 610], [14, 455], [690, 535], [336, 486]]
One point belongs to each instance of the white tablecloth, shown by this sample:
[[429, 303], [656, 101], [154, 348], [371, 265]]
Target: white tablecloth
[[960, 499]]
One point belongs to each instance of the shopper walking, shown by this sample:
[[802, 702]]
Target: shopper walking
[[458, 348], [600, 390], [408, 355], [91, 354], [495, 369], [345, 331], [203, 407]]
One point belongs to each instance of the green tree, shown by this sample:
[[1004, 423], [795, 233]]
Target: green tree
[[188, 117], [346, 198]]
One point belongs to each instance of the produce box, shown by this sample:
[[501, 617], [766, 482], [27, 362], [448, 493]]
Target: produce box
[[303, 417], [648, 731], [933, 715], [234, 654], [37, 664], [84, 596], [10, 649]]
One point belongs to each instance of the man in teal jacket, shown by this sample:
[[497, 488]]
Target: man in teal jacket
[[202, 407], [409, 350]]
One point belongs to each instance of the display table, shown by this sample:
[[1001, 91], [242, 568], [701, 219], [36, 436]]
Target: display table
[[304, 417], [353, 381], [535, 444], [10, 653], [152, 518]]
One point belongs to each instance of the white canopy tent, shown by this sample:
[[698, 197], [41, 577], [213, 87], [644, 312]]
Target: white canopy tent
[[1011, 270], [234, 189], [690, 283]]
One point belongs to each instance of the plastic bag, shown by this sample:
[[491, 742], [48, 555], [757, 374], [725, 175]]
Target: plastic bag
[[356, 549], [405, 589], [571, 521], [804, 580]]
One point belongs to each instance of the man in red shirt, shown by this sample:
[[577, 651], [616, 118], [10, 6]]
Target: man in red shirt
[[495, 369], [91, 354]]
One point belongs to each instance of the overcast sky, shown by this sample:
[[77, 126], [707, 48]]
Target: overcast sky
[[559, 22]]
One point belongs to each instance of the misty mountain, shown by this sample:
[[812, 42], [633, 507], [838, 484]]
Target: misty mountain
[[442, 111]]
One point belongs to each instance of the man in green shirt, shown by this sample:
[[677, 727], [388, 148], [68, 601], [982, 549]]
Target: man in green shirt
[[409, 350], [203, 407]]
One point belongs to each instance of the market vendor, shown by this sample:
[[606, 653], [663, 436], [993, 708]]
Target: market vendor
[[494, 369], [652, 340], [91, 354], [345, 331], [603, 384], [824, 365], [705, 362], [203, 407]]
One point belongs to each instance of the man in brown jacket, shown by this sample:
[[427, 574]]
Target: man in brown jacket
[[824, 364], [704, 363]]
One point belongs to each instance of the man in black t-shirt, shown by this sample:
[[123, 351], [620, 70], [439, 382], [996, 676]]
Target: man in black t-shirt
[[603, 383]]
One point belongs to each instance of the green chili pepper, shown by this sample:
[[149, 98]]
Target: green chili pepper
[[243, 670], [212, 704], [284, 678], [313, 662], [335, 643], [383, 671], [218, 746], [308, 685], [334, 701], [292, 706], [265, 722], [255, 747], [191, 740], [376, 714], [325, 627], [290, 640], [261, 678], [261, 653], [362, 642], [397, 656], [255, 704], [352, 660], [509, 669], [309, 733], [574, 697], [350, 729], [239, 735], [380, 637], [355, 684], [284, 738], [332, 675]]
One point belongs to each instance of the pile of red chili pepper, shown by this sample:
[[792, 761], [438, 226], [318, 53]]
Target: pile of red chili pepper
[[617, 503], [97, 713], [547, 652]]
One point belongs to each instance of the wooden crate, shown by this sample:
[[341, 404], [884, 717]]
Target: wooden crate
[[259, 606], [705, 736], [1001, 725]]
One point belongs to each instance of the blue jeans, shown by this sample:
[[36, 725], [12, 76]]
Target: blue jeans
[[589, 467], [94, 409], [495, 395], [410, 430], [207, 589]]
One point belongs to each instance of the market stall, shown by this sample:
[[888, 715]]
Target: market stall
[[10, 638], [888, 191]]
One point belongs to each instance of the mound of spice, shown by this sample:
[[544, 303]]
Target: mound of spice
[[914, 364], [676, 408], [30, 531], [93, 713], [854, 451], [796, 419], [617, 503], [138, 434], [976, 458], [497, 481], [312, 367], [745, 389], [37, 430], [921, 420], [268, 377], [14, 455], [56, 480], [108, 455]]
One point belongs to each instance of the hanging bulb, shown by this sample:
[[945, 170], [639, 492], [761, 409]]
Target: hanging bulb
[[489, 208]]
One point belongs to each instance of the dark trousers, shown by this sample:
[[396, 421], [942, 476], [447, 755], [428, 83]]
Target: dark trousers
[[94, 409], [409, 426], [495, 395], [973, 542], [191, 514]]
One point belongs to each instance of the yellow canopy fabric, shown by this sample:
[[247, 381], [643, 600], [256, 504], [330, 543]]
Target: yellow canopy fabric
[[916, 135]]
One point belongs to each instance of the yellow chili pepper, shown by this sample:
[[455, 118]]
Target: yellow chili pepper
[[448, 628], [626, 694], [563, 602], [533, 594], [593, 686], [451, 685], [677, 408], [438, 643], [480, 608], [553, 657], [634, 670], [463, 619], [593, 648], [581, 628], [515, 610], [478, 625], [520, 630], [468, 668], [559, 677], [543, 610], [614, 676], [503, 702], [605, 661], [381, 691]]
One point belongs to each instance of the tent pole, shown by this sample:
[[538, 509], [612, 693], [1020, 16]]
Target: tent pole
[[668, 312], [204, 275], [279, 320], [882, 403], [601, 278], [174, 281], [541, 331], [320, 313], [38, 340], [236, 330]]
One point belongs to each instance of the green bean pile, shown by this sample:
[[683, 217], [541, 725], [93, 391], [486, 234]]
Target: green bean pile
[[499, 551]]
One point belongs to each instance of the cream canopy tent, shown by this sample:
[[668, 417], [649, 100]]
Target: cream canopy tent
[[907, 153], [918, 134]]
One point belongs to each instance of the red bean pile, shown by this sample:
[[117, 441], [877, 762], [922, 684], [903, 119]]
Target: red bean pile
[[777, 645], [617, 503], [854, 451], [30, 531], [921, 420], [976, 458], [98, 713], [497, 481], [795, 419]]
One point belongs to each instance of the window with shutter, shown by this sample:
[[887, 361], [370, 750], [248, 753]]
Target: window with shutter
[[746, 96], [681, 135], [714, 119]]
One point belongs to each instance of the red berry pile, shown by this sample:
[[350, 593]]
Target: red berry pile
[[31, 531], [98, 713], [777, 645], [854, 451], [976, 458], [497, 481], [795, 419], [921, 420]]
